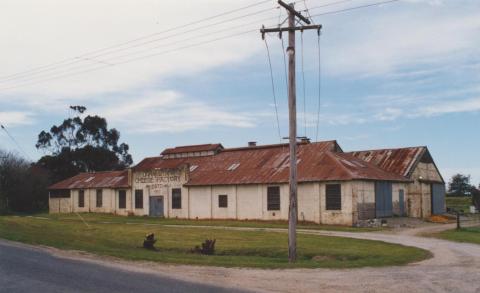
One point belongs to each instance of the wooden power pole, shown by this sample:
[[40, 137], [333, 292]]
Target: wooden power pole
[[292, 117]]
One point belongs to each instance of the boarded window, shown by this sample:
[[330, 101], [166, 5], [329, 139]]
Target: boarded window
[[176, 198], [81, 198], [273, 198], [139, 198], [99, 198], [222, 201], [122, 199], [333, 196]]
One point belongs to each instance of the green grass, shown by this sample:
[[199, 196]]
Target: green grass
[[470, 235], [98, 218], [459, 203], [233, 249]]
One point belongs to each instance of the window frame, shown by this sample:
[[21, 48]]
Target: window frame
[[176, 199], [223, 201], [99, 198], [124, 198], [81, 195], [273, 206], [333, 201], [138, 198]]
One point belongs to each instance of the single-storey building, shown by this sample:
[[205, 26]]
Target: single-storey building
[[99, 192], [251, 183]]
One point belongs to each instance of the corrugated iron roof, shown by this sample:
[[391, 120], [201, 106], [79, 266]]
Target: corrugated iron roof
[[400, 161], [269, 164], [193, 148], [108, 179]]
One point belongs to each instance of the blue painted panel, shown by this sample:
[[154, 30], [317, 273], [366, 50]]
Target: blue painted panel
[[156, 206], [383, 199], [438, 199], [401, 202]]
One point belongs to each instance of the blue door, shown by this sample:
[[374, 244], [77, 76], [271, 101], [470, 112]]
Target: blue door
[[401, 202], [156, 206], [383, 199], [438, 198]]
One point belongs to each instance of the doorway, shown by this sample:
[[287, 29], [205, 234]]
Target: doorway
[[156, 206]]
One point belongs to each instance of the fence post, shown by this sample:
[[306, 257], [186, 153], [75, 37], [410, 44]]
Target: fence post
[[458, 220]]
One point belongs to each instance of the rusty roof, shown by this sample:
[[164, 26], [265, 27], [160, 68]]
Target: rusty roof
[[107, 179], [320, 161], [400, 161], [193, 148]]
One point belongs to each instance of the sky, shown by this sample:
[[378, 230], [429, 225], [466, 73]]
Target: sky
[[168, 73]]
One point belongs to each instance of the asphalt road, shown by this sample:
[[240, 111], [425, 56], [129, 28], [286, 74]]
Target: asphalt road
[[25, 269]]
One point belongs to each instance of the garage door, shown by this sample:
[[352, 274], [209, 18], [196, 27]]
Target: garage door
[[438, 198], [383, 199]]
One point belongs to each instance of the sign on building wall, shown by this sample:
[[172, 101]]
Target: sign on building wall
[[157, 180]]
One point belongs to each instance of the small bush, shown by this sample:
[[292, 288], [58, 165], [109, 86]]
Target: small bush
[[208, 247]]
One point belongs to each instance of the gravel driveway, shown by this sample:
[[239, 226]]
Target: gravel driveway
[[455, 267]]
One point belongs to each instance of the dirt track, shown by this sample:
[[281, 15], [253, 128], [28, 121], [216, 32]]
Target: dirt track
[[455, 267]]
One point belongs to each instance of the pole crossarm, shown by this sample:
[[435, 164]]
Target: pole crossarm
[[293, 11], [289, 29]]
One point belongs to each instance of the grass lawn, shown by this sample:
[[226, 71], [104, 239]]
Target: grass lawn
[[471, 235], [98, 218], [459, 203], [233, 249]]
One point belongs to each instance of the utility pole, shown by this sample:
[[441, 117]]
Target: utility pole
[[292, 118]]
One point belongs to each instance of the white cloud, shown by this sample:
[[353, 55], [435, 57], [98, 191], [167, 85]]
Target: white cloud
[[401, 35], [169, 111], [15, 118], [454, 106], [46, 32]]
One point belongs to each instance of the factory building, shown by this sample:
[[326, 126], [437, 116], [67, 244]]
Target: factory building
[[251, 183]]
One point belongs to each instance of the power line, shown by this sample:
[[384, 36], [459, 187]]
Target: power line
[[140, 38], [303, 87], [355, 8], [111, 63], [273, 89], [80, 59], [325, 5], [319, 87], [189, 46], [284, 65], [135, 59], [307, 11], [15, 141]]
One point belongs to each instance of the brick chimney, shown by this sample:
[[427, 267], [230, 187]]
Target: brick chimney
[[252, 143]]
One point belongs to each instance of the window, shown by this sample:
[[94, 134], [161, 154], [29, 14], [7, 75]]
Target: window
[[122, 199], [176, 198], [333, 196], [273, 198], [222, 201], [139, 198], [99, 198], [81, 198]]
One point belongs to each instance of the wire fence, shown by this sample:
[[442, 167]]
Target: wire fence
[[465, 216]]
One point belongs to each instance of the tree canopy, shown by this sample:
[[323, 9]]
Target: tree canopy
[[82, 144], [23, 186], [459, 185]]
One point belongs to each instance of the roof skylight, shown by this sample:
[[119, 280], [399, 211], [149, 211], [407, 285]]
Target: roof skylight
[[233, 166]]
